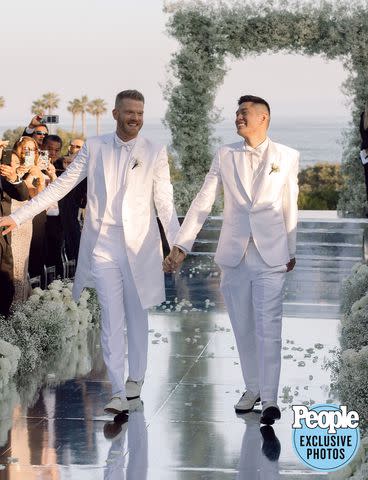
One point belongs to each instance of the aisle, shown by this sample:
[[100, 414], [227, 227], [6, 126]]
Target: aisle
[[187, 428]]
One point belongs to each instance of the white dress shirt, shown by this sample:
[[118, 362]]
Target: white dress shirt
[[115, 193], [254, 161]]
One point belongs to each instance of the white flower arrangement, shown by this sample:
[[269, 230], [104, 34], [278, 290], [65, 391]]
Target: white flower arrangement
[[41, 326], [351, 366]]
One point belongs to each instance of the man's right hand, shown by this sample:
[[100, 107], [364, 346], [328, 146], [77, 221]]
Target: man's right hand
[[7, 224], [173, 261], [35, 122]]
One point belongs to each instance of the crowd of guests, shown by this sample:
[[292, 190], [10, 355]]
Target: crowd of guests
[[50, 241]]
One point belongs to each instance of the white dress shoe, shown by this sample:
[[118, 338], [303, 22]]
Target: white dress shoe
[[270, 413], [247, 402], [133, 389], [117, 405]]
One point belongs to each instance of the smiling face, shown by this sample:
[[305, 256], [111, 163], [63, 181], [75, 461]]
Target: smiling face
[[39, 134], [251, 119], [54, 149], [129, 118]]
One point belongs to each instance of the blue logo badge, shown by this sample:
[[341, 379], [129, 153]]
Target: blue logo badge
[[325, 437]]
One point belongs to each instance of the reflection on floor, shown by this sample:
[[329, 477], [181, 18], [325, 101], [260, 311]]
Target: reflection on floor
[[186, 429]]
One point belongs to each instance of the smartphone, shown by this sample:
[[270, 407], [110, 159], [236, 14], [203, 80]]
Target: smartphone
[[6, 157], [43, 160], [50, 119], [28, 161]]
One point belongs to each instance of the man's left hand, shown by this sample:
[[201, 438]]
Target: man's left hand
[[290, 266]]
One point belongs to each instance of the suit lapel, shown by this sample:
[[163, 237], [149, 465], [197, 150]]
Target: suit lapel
[[261, 181], [240, 167], [136, 155], [107, 152]]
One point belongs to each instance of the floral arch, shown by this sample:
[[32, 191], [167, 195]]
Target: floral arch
[[209, 33]]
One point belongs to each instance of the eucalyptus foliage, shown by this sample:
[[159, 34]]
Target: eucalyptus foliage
[[209, 33]]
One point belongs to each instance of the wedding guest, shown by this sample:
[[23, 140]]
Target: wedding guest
[[38, 250], [53, 233], [70, 205], [363, 127], [36, 130], [10, 188], [256, 247], [24, 159]]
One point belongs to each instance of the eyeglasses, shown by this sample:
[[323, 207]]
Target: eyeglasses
[[38, 132]]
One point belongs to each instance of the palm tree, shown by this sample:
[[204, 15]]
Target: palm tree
[[51, 101], [75, 108], [2, 102], [38, 107], [83, 103], [97, 108]]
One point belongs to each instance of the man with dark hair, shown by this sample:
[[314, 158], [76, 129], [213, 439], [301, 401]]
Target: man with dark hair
[[37, 130], [120, 251], [256, 246]]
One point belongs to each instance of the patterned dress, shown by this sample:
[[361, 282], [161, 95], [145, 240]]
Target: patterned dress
[[20, 242]]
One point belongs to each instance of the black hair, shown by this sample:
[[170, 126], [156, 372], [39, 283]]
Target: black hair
[[54, 138], [254, 99]]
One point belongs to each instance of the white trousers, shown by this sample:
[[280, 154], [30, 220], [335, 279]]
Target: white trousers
[[253, 296], [120, 308]]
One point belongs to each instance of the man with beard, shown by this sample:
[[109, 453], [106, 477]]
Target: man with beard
[[120, 251]]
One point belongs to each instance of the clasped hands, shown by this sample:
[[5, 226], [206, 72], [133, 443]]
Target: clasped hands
[[173, 261]]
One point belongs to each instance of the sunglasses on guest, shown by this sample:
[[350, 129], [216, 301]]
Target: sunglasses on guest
[[39, 132]]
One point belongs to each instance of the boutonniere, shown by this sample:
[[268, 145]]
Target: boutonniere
[[274, 168], [135, 163]]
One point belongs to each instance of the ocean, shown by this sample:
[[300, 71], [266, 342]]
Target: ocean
[[317, 140]]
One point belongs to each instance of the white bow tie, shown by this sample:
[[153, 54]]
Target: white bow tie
[[253, 151], [127, 145]]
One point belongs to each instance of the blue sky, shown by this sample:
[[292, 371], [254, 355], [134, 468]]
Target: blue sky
[[99, 47]]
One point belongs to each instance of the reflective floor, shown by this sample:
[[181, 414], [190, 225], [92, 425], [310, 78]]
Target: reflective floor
[[186, 429]]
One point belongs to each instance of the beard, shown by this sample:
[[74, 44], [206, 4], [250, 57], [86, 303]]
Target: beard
[[128, 129]]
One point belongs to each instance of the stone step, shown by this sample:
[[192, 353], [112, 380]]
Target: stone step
[[305, 248], [203, 261], [347, 224], [303, 234]]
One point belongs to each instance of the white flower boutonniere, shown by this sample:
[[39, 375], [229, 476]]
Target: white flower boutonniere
[[135, 163], [274, 168]]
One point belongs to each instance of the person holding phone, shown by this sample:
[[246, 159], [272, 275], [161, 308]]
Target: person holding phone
[[25, 160], [10, 189], [37, 130]]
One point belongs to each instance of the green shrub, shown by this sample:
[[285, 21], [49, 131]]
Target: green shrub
[[320, 186]]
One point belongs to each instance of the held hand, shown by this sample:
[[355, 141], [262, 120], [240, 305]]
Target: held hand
[[291, 265], [173, 261], [3, 144], [9, 172], [7, 224]]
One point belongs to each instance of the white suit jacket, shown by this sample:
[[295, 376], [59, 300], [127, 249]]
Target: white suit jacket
[[269, 214], [145, 187]]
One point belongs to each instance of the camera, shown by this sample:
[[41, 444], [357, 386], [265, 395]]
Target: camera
[[50, 119]]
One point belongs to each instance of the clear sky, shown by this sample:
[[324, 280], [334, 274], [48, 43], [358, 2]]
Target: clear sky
[[99, 47]]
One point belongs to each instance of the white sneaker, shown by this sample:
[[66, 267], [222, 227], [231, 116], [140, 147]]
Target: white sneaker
[[133, 389], [117, 405], [247, 402]]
